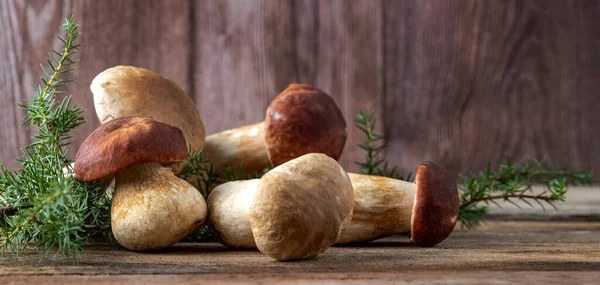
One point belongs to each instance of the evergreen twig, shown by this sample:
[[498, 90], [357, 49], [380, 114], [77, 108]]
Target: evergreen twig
[[507, 184], [232, 173], [514, 182], [42, 202], [373, 148], [199, 168]]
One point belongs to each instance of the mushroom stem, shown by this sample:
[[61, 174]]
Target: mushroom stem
[[240, 146], [382, 207], [229, 213], [153, 209]]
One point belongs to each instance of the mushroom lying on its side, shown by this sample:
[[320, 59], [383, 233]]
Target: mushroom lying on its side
[[295, 211], [427, 209], [151, 208], [229, 213], [300, 120]]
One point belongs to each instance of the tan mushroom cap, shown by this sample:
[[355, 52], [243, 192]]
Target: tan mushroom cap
[[300, 207], [303, 119], [124, 91], [125, 142], [435, 210]]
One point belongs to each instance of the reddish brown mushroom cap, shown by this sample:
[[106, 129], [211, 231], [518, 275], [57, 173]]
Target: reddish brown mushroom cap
[[436, 205], [302, 120], [127, 141]]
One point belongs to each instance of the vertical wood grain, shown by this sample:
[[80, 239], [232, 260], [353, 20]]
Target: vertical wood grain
[[349, 63], [583, 34], [244, 58], [150, 34], [248, 51], [473, 81], [457, 82], [10, 88], [28, 33]]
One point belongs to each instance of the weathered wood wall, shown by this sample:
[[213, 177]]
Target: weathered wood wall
[[458, 82]]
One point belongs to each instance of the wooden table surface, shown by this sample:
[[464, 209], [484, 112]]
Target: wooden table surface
[[553, 248]]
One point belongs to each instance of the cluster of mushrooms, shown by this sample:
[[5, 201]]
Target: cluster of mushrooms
[[297, 210]]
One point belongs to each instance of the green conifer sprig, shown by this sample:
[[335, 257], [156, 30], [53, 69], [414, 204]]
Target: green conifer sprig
[[507, 184], [199, 168], [512, 182], [373, 148], [50, 208]]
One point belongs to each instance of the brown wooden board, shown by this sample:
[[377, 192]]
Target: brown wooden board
[[413, 277], [248, 52], [499, 251], [150, 34], [469, 82], [349, 62], [28, 33], [243, 57], [534, 249], [458, 82]]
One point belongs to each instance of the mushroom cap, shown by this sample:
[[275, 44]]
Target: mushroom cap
[[125, 142], [301, 120], [153, 209], [124, 91], [300, 207], [435, 210]]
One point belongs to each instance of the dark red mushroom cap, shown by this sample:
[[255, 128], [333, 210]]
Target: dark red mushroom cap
[[436, 205], [301, 120], [125, 142]]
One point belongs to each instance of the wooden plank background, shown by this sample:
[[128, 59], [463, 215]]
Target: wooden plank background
[[458, 82]]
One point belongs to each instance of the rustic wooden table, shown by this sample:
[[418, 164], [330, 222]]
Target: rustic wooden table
[[528, 246]]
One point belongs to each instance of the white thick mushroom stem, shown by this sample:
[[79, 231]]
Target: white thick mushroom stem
[[229, 213], [382, 207], [153, 209], [244, 146]]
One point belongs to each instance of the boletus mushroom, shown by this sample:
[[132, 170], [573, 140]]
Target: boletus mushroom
[[151, 208], [427, 209], [295, 211], [124, 91], [300, 120]]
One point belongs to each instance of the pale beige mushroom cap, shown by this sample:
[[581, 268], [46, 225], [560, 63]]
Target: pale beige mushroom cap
[[153, 209], [300, 207], [228, 213], [123, 91]]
